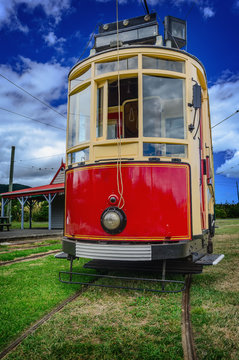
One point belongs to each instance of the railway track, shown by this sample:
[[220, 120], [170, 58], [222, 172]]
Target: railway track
[[35, 326], [187, 333], [186, 328], [31, 257]]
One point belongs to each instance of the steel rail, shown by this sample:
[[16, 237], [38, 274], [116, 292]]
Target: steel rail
[[187, 333], [35, 326], [31, 257], [23, 248]]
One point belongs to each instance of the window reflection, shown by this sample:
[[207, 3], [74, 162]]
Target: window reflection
[[170, 150], [163, 64], [125, 64], [163, 107], [84, 76], [79, 118], [78, 156], [127, 127]]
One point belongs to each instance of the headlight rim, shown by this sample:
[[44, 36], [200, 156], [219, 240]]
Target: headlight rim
[[123, 220]]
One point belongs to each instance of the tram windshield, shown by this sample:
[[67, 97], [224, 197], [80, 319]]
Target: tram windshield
[[127, 112], [163, 107]]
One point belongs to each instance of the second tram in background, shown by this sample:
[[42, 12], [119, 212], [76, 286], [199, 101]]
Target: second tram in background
[[139, 176]]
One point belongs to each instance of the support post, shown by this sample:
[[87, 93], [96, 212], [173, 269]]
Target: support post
[[30, 213], [3, 204], [49, 212], [22, 201], [49, 199], [11, 182]]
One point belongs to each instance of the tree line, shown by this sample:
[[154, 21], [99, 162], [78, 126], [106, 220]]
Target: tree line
[[226, 210]]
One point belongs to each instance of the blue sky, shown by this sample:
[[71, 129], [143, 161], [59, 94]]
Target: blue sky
[[42, 39]]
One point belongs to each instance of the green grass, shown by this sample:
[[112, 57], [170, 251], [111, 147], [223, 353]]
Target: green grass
[[22, 253], [110, 324], [227, 226], [43, 242], [115, 324], [29, 290], [35, 224], [215, 299]]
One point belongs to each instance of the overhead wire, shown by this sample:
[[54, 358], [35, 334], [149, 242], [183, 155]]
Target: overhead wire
[[38, 168], [42, 157], [225, 119], [88, 43], [30, 118], [34, 97]]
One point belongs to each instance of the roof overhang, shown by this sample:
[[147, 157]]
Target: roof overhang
[[35, 191]]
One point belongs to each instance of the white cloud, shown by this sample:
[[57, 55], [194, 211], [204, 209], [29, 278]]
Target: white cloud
[[48, 82], [9, 9], [208, 12], [236, 4], [224, 101], [52, 41], [231, 167]]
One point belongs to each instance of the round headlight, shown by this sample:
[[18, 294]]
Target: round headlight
[[113, 220]]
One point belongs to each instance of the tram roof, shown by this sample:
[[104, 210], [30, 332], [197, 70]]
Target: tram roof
[[138, 47]]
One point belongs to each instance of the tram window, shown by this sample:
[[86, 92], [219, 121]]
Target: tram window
[[163, 107], [124, 64], [79, 118], [162, 64], [174, 128], [99, 115], [128, 109], [170, 150], [84, 76], [78, 156]]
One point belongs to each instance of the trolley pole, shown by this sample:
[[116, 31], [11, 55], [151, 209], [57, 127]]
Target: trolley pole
[[11, 182]]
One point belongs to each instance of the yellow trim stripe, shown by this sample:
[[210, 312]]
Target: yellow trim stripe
[[90, 167], [140, 238]]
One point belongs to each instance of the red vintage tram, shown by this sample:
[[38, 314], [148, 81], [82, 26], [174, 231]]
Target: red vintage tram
[[139, 177]]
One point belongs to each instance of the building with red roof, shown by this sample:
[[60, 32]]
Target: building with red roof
[[54, 194]]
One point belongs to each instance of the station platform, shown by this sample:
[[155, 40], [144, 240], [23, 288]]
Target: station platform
[[18, 234]]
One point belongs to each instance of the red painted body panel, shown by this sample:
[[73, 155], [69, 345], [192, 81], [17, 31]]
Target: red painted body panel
[[157, 201]]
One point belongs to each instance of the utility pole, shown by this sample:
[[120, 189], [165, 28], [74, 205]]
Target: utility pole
[[237, 193], [11, 181]]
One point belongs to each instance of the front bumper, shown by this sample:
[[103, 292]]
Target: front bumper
[[131, 252]]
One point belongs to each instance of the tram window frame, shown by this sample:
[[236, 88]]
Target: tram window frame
[[74, 136], [113, 130], [159, 63], [163, 150], [83, 76], [131, 62], [100, 111], [153, 128], [74, 157]]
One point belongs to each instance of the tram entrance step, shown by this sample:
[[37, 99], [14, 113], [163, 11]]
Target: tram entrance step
[[61, 255], [210, 259], [172, 266]]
